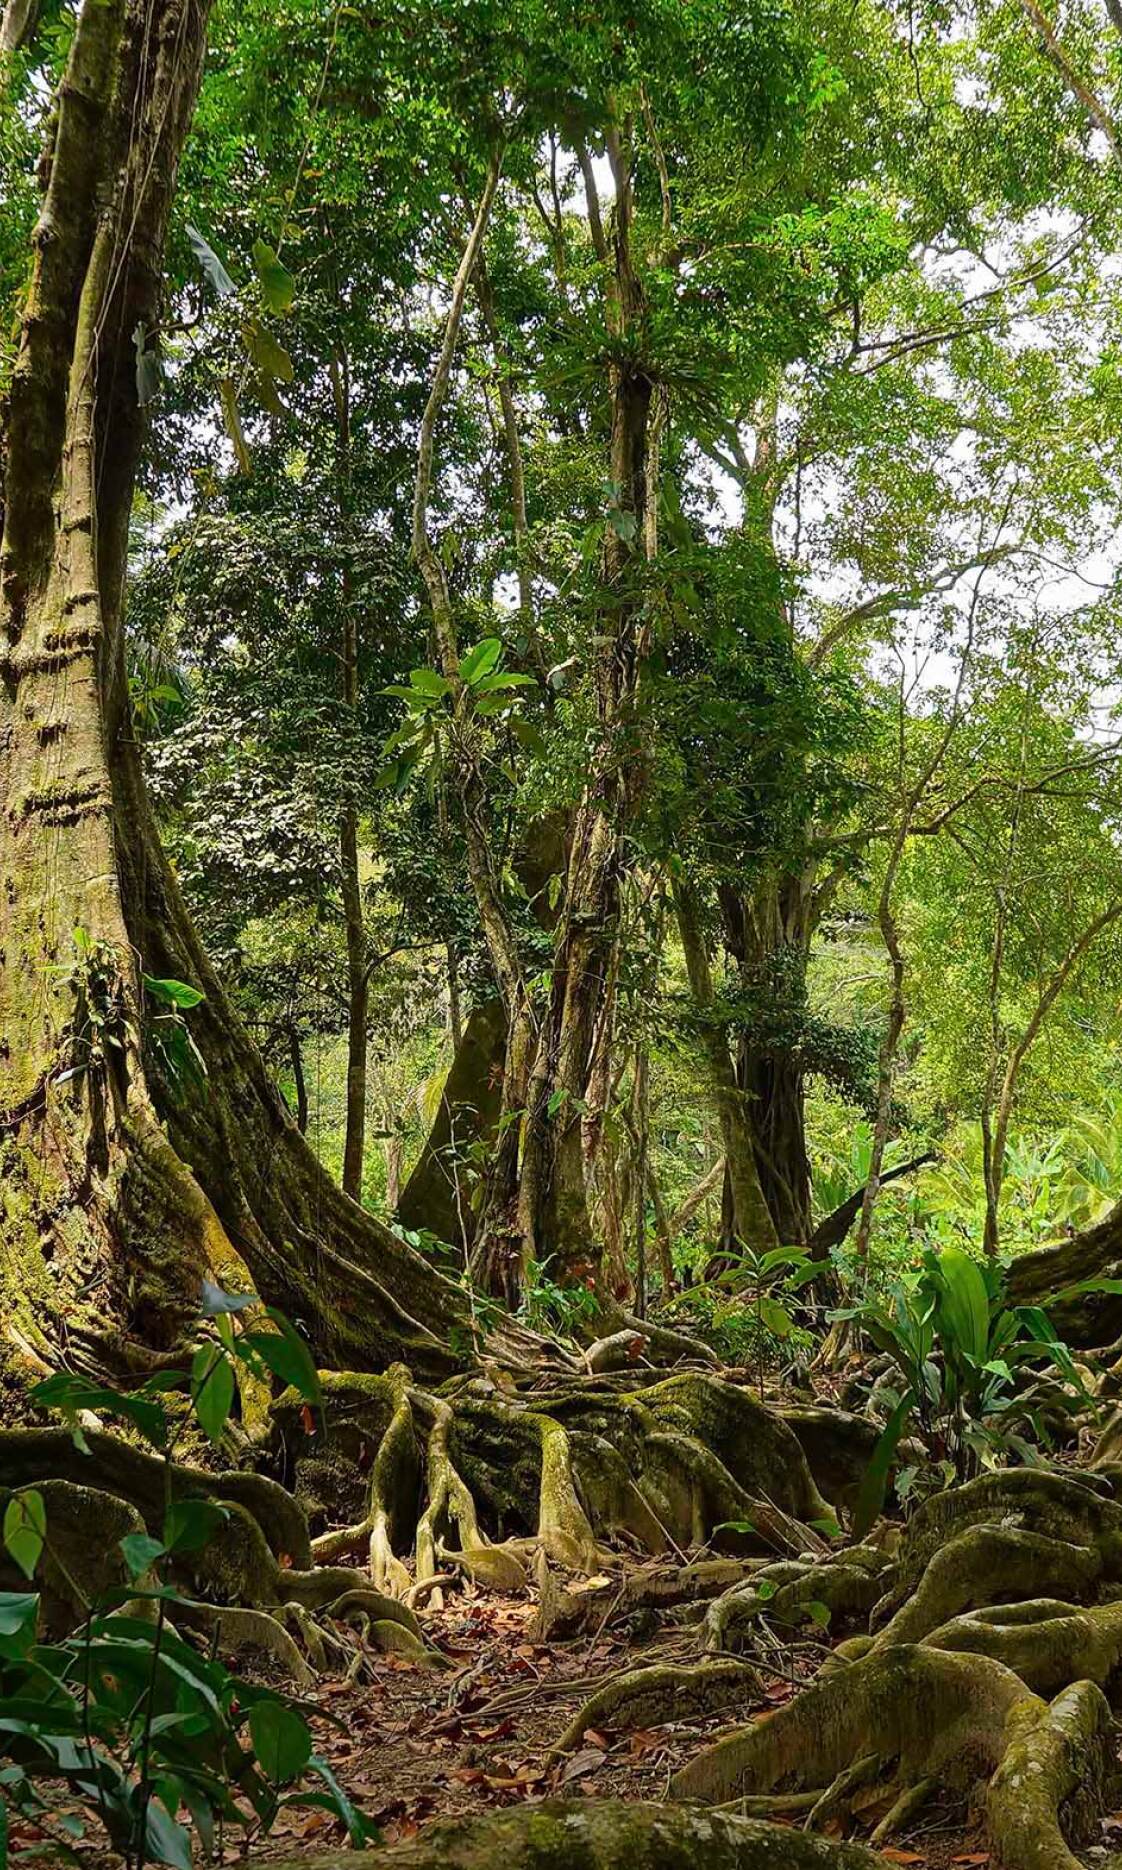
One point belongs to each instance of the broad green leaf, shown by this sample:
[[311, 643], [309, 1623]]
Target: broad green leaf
[[776, 1318], [19, 1616], [429, 681], [25, 1529], [68, 1393], [140, 1552], [175, 992], [281, 1741], [874, 1484], [963, 1306], [191, 1524], [492, 684], [212, 1390], [286, 1355], [480, 660], [270, 356], [214, 1302], [166, 1841], [210, 263], [149, 371], [278, 288], [359, 1829]]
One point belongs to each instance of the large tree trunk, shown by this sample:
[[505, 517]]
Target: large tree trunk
[[1087, 1320], [438, 1193], [769, 933], [124, 1181]]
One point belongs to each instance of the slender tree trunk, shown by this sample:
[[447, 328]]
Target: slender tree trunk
[[299, 1082], [122, 1184], [553, 1208], [358, 979], [751, 1219]]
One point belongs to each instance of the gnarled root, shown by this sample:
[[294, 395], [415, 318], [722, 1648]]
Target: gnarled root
[[593, 1834], [664, 1463], [1054, 1780], [849, 1586], [1048, 1644], [969, 1719], [924, 1713], [648, 1697], [964, 1573], [1072, 1508]]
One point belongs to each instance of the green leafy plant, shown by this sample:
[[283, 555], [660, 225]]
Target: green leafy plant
[[147, 1736], [964, 1357], [428, 696]]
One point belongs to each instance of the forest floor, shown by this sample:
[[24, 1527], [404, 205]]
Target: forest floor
[[416, 1744]]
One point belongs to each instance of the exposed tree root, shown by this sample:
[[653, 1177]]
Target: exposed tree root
[[255, 1567], [647, 1697], [984, 1678], [930, 1715], [849, 1586], [592, 1834], [565, 1612], [565, 1468], [961, 1576]]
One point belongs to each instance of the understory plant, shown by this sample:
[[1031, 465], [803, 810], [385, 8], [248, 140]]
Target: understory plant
[[971, 1371], [746, 1309], [139, 1732]]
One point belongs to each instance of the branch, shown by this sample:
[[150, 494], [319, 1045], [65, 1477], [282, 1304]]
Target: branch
[[1091, 102]]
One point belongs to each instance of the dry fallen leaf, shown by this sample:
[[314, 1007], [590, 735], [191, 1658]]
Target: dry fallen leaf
[[902, 1857], [586, 1761]]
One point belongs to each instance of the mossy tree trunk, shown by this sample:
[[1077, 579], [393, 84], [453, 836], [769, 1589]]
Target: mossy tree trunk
[[122, 1182], [554, 1214]]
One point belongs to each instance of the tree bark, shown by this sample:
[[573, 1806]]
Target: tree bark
[[751, 1219], [123, 1182], [299, 1082], [437, 1195], [358, 978]]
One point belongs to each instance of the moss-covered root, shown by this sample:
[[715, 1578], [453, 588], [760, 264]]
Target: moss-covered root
[[236, 1631], [752, 1443], [985, 1562], [848, 1586], [562, 1612], [590, 1834], [393, 1492], [648, 1697], [1048, 1644], [1057, 1776], [1073, 1508], [450, 1502], [563, 1529], [937, 1716]]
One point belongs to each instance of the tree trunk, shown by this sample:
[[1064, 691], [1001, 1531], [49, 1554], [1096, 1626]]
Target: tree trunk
[[553, 1206], [358, 980], [750, 1218], [123, 1179], [437, 1195], [769, 932], [299, 1082]]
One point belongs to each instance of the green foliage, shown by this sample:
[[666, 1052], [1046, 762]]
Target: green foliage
[[150, 1737], [970, 1370]]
